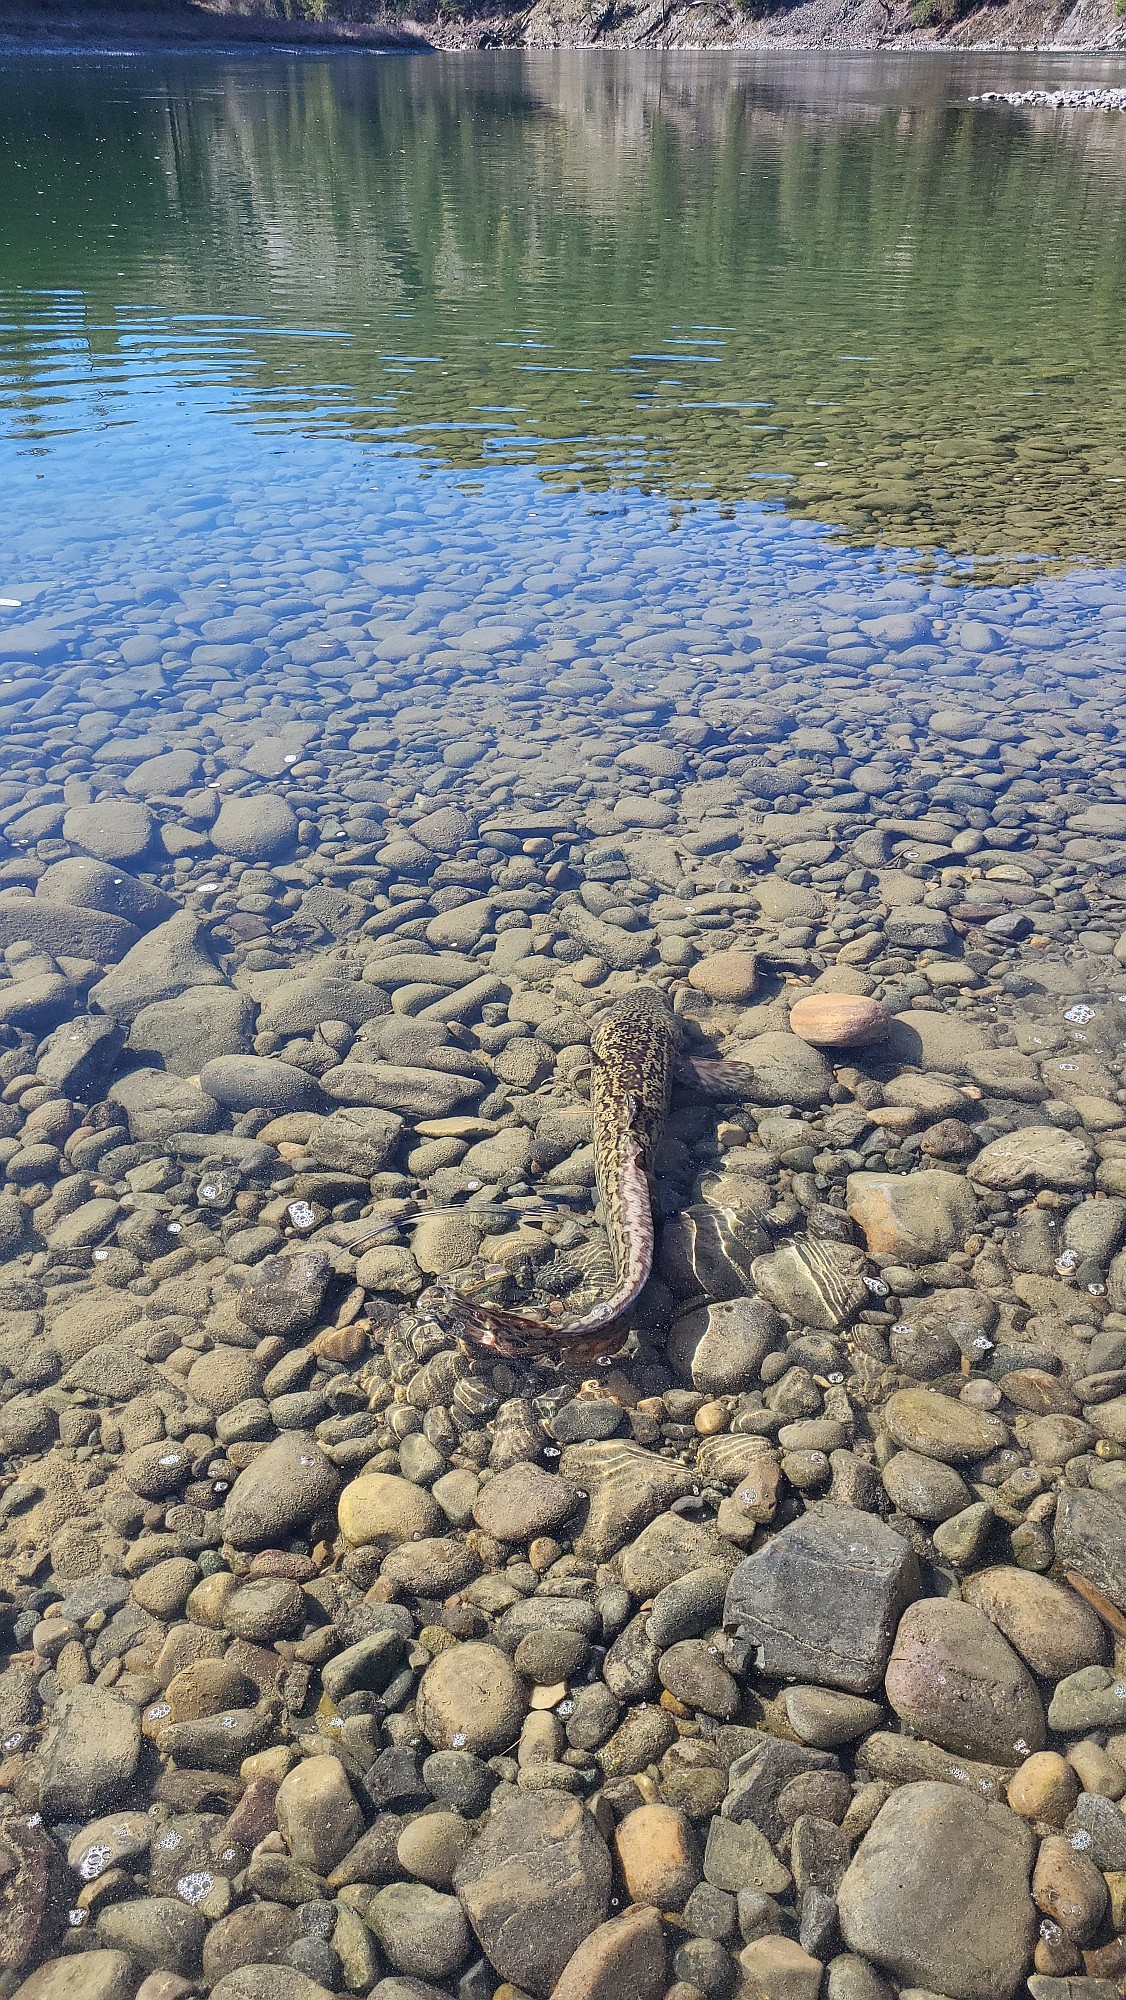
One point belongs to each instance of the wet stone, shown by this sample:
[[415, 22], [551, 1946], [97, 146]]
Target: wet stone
[[280, 1492], [534, 1884], [939, 1427], [627, 1954], [471, 1698], [380, 1507], [1090, 1537], [91, 1755], [1053, 1630], [157, 1931], [1039, 1156], [923, 1487], [938, 1892], [317, 1813], [722, 1346], [627, 1487], [953, 1678], [525, 1501], [285, 1293], [739, 1856], [823, 1598], [915, 1218], [97, 1975]]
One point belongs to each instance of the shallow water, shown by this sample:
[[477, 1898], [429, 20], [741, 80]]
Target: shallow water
[[474, 532]]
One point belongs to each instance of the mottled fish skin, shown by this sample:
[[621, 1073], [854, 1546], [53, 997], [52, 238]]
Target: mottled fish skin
[[633, 1053]]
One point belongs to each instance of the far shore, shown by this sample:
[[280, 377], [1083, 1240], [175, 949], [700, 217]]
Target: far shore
[[1093, 28]]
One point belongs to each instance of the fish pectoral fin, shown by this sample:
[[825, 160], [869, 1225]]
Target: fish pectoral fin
[[721, 1077]]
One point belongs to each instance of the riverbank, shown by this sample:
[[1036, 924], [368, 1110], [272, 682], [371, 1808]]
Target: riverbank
[[1016, 26]]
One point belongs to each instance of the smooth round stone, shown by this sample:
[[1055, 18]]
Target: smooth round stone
[[839, 1020], [164, 1589], [264, 1609], [156, 1471], [317, 1813], [471, 1698], [924, 1488], [824, 1719], [546, 1657], [259, 1083], [939, 1427], [585, 1419], [1039, 1156], [726, 975], [1045, 1787], [658, 1855], [444, 831], [430, 1847], [1050, 1626], [937, 1893], [1069, 1889], [380, 1507], [280, 1492], [113, 830], [224, 1378], [430, 1565], [455, 1493], [161, 1932], [106, 1843], [458, 1779], [722, 1346], [96, 1975], [524, 1501], [954, 1679], [207, 1687], [421, 1930], [259, 827], [693, 1674]]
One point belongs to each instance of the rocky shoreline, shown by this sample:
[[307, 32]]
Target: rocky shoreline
[[782, 1658], [1011, 27], [1058, 100]]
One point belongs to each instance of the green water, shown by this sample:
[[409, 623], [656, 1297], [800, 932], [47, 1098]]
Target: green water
[[834, 282]]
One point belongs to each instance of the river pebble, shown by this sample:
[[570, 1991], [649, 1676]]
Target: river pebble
[[779, 1653]]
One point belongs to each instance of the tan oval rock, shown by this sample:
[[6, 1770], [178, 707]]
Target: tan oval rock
[[380, 1507], [922, 1420], [317, 1814], [207, 1687], [726, 975], [624, 1956], [1069, 1888], [954, 1679], [471, 1698], [839, 1020], [1045, 1787], [658, 1856], [1050, 1625]]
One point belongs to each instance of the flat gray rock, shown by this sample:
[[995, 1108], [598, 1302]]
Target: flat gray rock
[[297, 1006], [280, 1492], [534, 1884], [626, 1488], [90, 1755], [190, 1030], [87, 884], [937, 1894], [1090, 1537], [61, 928], [169, 960], [384, 1086], [821, 1600]]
